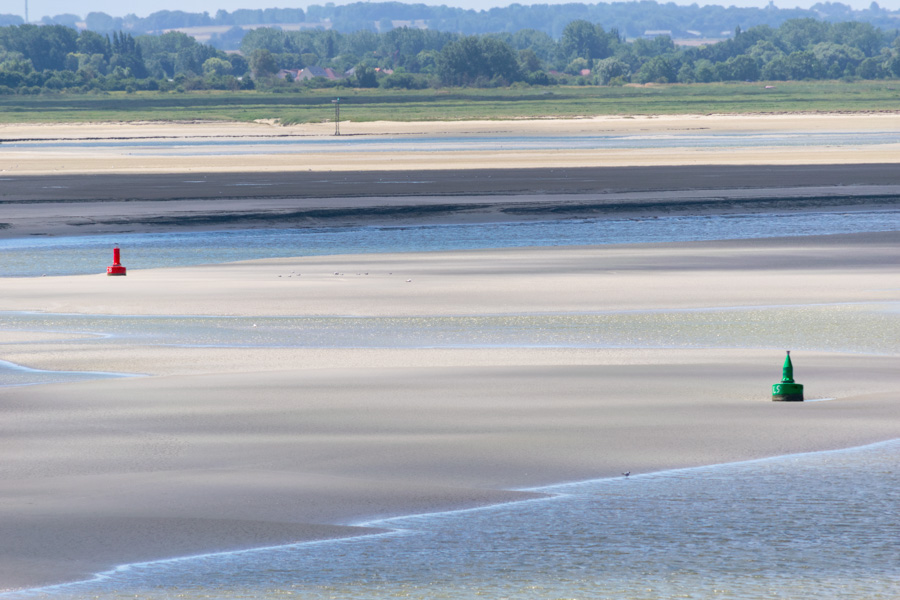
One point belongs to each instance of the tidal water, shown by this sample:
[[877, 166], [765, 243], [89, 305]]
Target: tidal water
[[295, 144], [13, 375], [36, 256], [813, 526]]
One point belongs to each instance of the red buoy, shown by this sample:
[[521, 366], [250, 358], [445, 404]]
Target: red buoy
[[116, 268]]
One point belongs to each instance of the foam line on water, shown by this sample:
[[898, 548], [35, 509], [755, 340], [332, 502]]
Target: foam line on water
[[124, 568], [550, 493], [558, 488]]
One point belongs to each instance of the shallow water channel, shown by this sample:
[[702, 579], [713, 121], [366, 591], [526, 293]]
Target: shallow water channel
[[810, 526], [36, 256]]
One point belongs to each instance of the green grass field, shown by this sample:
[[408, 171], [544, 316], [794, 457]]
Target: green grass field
[[457, 104]]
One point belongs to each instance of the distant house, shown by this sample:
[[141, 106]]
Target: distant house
[[312, 72], [283, 74], [387, 24], [653, 33], [308, 73], [412, 24]]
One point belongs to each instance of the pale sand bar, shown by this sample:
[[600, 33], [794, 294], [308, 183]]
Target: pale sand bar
[[226, 448], [82, 159], [78, 190]]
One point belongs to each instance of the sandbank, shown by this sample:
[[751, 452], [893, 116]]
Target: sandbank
[[849, 121], [226, 448], [223, 448], [29, 160], [53, 184]]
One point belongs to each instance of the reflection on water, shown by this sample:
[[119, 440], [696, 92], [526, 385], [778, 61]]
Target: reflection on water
[[810, 526], [90, 254], [871, 328]]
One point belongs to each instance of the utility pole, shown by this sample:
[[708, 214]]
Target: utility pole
[[337, 116], [26, 12]]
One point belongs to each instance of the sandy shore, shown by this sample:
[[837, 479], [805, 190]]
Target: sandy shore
[[855, 121], [77, 157], [224, 448], [55, 181]]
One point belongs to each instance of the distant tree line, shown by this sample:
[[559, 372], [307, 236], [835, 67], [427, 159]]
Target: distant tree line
[[53, 58], [630, 19]]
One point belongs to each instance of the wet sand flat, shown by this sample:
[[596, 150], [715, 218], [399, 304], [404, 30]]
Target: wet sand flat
[[224, 448], [80, 204], [53, 181], [676, 140]]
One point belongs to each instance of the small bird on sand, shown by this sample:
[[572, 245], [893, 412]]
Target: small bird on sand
[[626, 473]]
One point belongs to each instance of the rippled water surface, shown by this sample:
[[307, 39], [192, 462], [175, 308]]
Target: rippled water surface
[[810, 526], [91, 254]]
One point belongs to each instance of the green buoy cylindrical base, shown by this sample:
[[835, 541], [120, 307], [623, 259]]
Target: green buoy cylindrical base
[[787, 392]]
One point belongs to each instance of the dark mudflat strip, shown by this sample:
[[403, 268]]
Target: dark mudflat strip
[[107, 204], [472, 182]]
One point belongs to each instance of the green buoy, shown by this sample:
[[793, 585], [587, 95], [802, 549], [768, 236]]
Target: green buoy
[[787, 390]]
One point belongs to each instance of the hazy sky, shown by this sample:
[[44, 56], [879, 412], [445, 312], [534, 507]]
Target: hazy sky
[[142, 8]]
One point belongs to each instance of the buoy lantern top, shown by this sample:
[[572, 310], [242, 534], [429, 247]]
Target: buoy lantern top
[[116, 268], [787, 371]]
